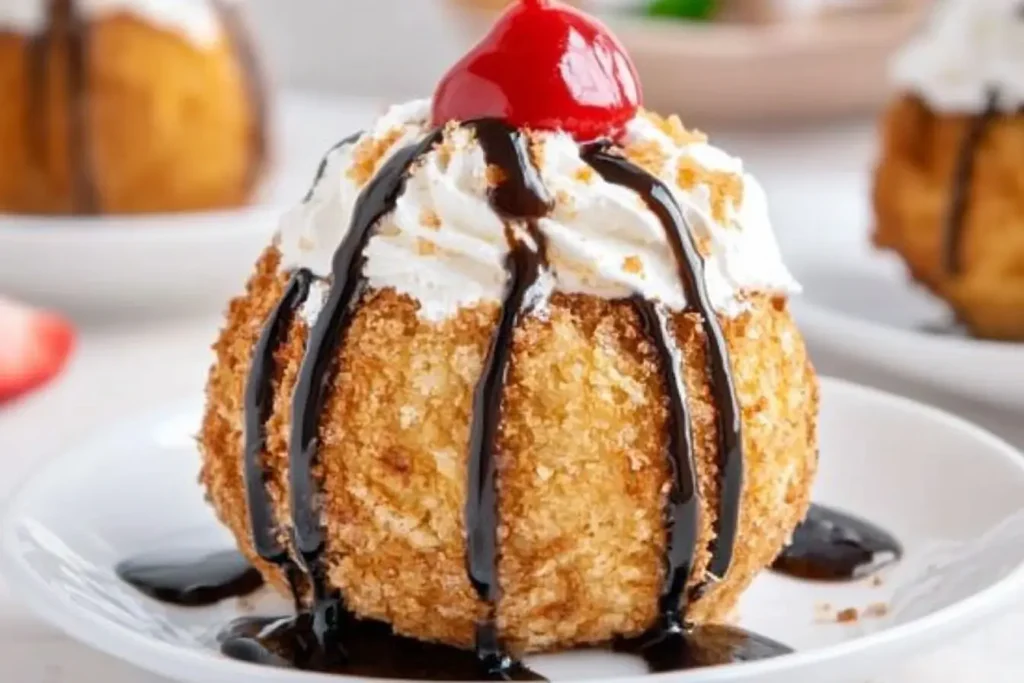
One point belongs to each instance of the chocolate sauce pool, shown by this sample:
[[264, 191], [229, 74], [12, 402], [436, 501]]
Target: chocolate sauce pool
[[833, 546], [326, 636], [191, 582]]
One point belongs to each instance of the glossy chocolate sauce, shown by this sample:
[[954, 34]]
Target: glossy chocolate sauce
[[259, 403], [520, 197], [371, 650], [66, 35], [247, 57], [674, 648], [377, 199], [326, 160], [192, 583], [833, 546], [963, 180], [690, 267], [683, 512]]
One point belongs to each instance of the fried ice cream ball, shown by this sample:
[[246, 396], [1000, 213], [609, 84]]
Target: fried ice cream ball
[[913, 197], [160, 123], [582, 467]]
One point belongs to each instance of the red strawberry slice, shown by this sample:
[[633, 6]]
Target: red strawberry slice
[[34, 347]]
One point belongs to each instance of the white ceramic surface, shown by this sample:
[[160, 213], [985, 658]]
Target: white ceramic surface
[[861, 303], [950, 491], [169, 263]]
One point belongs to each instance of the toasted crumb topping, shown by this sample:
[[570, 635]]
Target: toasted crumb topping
[[584, 174], [430, 219], [877, 610], [368, 153], [495, 175], [565, 201], [725, 187], [633, 265], [425, 247], [673, 127], [537, 149], [848, 615], [648, 155], [444, 150]]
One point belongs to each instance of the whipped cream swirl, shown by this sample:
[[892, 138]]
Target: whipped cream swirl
[[195, 20], [967, 50], [445, 246]]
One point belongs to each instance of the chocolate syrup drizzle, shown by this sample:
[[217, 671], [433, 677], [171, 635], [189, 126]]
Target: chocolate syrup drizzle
[[962, 181], [259, 403], [66, 26], [520, 200], [690, 267], [325, 162]]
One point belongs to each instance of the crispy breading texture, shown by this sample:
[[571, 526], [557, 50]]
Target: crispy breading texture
[[912, 198], [170, 125], [582, 460]]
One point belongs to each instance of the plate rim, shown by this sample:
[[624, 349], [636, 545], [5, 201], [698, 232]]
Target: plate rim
[[99, 633], [826, 319], [136, 228]]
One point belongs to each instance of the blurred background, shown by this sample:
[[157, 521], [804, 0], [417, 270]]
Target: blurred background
[[731, 60]]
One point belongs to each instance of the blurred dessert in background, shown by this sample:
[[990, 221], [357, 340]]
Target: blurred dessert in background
[[949, 190], [128, 106], [519, 374]]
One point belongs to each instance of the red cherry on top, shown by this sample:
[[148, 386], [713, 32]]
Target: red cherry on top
[[544, 66]]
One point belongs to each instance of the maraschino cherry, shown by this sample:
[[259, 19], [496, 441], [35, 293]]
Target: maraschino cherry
[[544, 66]]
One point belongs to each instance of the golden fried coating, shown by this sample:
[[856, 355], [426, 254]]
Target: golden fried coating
[[582, 466], [168, 125], [913, 195]]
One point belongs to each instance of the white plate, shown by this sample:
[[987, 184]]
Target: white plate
[[949, 490], [861, 303], [169, 263]]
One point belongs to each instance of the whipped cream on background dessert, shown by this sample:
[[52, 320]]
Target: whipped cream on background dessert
[[194, 19], [445, 246], [967, 49]]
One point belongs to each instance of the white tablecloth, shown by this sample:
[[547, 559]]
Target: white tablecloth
[[119, 371]]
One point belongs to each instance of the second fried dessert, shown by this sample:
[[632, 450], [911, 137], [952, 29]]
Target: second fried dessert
[[949, 190], [128, 106]]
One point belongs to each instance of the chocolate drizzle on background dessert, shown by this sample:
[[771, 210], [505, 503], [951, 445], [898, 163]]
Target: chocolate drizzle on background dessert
[[833, 546], [67, 36], [963, 179]]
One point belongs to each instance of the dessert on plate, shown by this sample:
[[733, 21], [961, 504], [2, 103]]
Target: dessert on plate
[[128, 106], [949, 189], [519, 374]]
